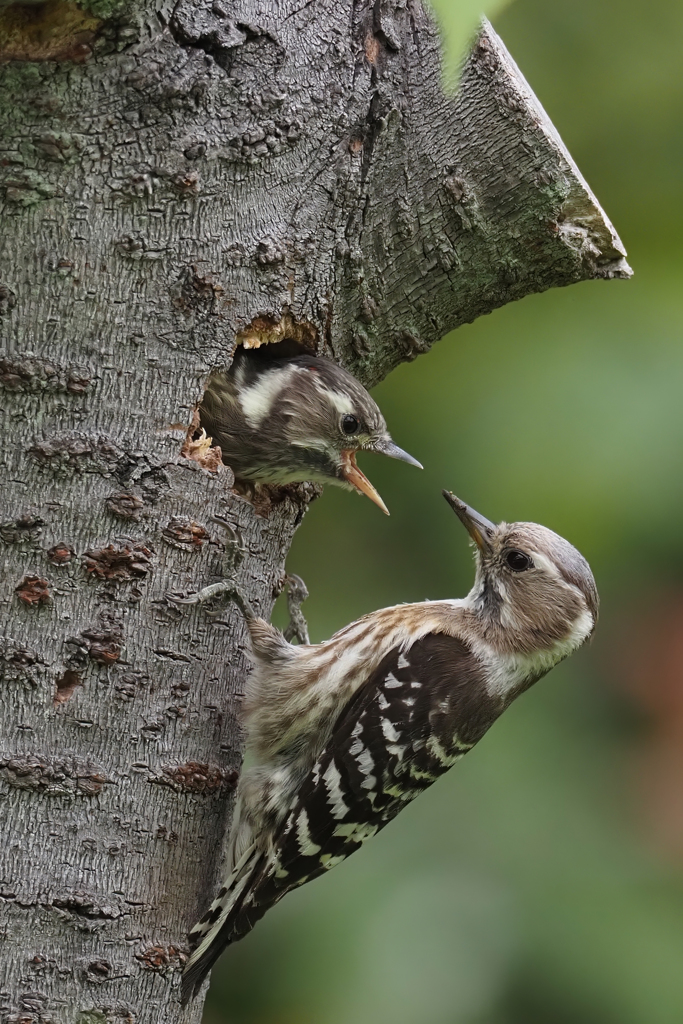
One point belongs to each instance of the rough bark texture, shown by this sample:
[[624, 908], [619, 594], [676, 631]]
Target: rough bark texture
[[173, 180]]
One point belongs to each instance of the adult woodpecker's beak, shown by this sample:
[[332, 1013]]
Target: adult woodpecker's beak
[[480, 529], [353, 475], [385, 446]]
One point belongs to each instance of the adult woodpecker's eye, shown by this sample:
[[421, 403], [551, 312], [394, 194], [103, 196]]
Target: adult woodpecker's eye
[[350, 424], [518, 561]]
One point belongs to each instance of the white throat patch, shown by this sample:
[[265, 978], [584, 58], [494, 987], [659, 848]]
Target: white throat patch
[[507, 671]]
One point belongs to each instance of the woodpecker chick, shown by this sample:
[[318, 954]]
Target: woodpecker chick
[[287, 420], [342, 735]]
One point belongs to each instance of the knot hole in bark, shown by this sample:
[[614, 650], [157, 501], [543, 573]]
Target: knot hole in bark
[[269, 338]]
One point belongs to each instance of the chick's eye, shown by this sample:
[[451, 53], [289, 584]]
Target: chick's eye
[[350, 424], [518, 561]]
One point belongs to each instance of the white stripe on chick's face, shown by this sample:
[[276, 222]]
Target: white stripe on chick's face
[[257, 401]]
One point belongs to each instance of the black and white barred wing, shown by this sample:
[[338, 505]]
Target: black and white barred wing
[[418, 714]]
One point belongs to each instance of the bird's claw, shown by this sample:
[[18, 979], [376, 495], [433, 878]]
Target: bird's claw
[[224, 589], [297, 592]]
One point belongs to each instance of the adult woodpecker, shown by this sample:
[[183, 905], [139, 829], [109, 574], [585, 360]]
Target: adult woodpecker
[[279, 421], [342, 735]]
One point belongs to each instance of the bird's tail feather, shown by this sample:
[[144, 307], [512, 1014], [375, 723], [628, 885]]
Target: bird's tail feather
[[215, 930]]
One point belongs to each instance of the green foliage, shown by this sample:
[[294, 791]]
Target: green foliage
[[535, 883], [458, 20]]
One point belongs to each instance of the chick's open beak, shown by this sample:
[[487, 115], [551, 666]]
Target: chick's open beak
[[385, 446], [480, 529], [353, 475]]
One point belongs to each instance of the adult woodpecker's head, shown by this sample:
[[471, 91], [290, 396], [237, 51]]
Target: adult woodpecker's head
[[287, 420], [533, 591]]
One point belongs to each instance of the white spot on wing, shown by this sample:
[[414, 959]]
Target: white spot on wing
[[391, 682], [329, 860], [364, 761], [357, 744], [335, 796], [355, 833], [390, 731], [307, 848], [403, 661]]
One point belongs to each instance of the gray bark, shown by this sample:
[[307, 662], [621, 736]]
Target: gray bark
[[174, 180]]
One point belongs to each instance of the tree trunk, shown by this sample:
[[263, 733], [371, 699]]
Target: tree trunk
[[175, 180]]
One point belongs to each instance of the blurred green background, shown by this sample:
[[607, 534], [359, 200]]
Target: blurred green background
[[541, 881]]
